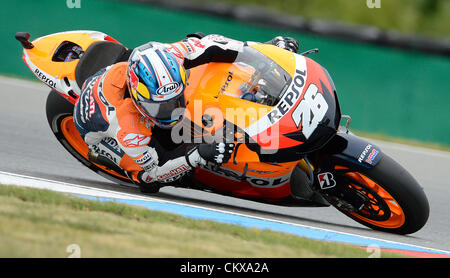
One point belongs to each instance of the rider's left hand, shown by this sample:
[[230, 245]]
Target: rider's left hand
[[216, 152], [287, 43]]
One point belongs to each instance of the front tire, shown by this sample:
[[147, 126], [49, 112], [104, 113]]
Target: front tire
[[395, 202]]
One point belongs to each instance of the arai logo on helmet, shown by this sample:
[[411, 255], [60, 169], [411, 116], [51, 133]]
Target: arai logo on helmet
[[167, 89]]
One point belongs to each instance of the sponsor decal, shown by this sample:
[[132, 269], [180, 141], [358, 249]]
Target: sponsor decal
[[167, 89], [112, 144], [146, 157], [364, 153], [177, 172], [261, 172], [104, 151], [227, 82], [134, 80], [109, 108], [100, 94], [326, 180], [372, 156], [230, 43], [269, 182], [188, 46], [108, 147], [198, 43], [310, 111], [47, 80], [91, 104], [84, 103], [87, 102], [150, 166], [176, 52], [136, 140], [146, 177], [289, 98], [218, 38]]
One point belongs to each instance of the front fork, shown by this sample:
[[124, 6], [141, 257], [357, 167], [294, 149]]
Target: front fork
[[344, 153]]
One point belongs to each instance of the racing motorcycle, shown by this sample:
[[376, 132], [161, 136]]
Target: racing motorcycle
[[285, 118]]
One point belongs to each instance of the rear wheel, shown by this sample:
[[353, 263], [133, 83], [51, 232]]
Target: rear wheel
[[391, 199], [60, 118]]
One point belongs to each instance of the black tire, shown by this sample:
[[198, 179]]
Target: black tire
[[406, 191], [58, 108]]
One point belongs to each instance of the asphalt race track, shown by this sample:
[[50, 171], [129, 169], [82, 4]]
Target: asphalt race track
[[27, 146]]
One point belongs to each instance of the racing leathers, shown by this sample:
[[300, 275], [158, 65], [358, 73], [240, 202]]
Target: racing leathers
[[105, 111]]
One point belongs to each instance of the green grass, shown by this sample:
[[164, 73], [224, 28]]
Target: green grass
[[424, 17], [42, 223]]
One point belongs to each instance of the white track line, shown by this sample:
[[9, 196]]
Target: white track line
[[28, 181]]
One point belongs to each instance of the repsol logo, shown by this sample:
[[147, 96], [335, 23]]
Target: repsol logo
[[167, 89], [289, 98], [364, 153], [227, 82], [271, 182], [44, 78]]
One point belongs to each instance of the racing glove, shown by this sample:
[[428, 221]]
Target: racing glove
[[287, 43], [216, 152]]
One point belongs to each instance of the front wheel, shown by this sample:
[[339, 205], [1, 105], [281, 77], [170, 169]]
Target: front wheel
[[391, 199]]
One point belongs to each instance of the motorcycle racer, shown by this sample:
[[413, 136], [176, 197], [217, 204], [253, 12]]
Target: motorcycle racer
[[136, 100]]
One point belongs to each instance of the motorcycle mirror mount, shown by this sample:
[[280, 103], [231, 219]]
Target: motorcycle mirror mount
[[314, 50], [23, 38], [348, 118]]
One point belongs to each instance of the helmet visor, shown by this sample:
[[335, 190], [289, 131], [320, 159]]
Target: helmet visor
[[165, 110]]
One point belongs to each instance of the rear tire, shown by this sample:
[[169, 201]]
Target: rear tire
[[58, 110], [405, 191]]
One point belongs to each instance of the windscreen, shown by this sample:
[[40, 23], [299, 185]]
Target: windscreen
[[267, 80]]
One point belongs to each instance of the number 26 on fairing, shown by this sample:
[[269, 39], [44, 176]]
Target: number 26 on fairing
[[310, 111]]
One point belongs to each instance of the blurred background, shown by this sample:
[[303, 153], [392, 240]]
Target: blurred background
[[426, 17], [390, 60]]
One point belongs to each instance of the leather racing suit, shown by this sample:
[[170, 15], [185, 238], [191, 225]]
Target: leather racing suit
[[105, 111]]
